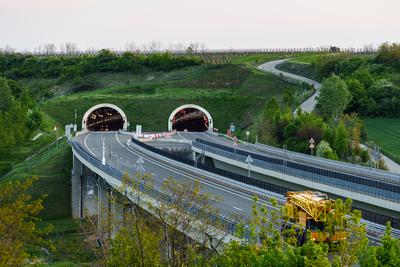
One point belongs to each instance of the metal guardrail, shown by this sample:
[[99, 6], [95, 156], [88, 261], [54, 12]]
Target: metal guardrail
[[374, 230], [331, 164], [282, 167], [230, 226]]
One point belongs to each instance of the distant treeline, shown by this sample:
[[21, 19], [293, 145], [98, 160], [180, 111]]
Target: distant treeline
[[16, 66]]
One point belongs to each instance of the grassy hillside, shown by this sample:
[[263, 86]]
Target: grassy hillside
[[302, 69], [231, 93], [53, 168], [386, 133]]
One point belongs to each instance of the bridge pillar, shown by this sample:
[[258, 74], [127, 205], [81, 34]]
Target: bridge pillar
[[104, 203], [117, 211], [89, 194], [76, 188]]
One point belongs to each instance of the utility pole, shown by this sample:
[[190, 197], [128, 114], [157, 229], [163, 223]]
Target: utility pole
[[56, 130], [247, 136], [103, 158], [76, 115], [139, 165], [249, 161], [234, 144]]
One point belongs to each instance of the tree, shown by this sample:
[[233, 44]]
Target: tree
[[334, 97], [49, 49], [6, 97], [388, 253], [288, 97], [69, 48], [139, 239], [324, 150], [345, 220], [270, 118], [341, 144], [389, 54], [177, 224], [18, 222]]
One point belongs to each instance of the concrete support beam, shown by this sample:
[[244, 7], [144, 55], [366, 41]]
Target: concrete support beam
[[76, 188], [89, 196], [117, 211]]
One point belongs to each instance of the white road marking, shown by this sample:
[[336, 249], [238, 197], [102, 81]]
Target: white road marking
[[216, 200], [236, 208], [185, 175], [84, 141]]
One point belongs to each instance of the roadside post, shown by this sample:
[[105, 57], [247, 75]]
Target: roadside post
[[249, 161], [312, 145]]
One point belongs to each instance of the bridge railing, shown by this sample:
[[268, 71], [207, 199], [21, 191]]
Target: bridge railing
[[332, 164], [282, 167], [374, 222], [229, 225]]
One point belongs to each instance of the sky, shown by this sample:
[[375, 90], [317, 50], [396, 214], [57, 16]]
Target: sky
[[219, 24]]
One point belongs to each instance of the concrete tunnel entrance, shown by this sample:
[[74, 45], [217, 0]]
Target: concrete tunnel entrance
[[104, 117], [190, 118]]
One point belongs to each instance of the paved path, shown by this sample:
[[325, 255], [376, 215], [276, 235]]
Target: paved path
[[307, 105], [310, 103]]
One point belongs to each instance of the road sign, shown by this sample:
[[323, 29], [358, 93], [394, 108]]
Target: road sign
[[249, 159], [232, 127], [139, 165], [312, 146]]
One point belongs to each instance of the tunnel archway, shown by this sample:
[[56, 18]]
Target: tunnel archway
[[104, 117], [190, 117]]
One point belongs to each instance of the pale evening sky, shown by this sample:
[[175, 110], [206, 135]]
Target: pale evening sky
[[27, 24]]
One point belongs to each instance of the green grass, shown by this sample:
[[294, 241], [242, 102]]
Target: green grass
[[309, 58], [231, 93], [386, 133], [302, 69], [264, 85], [256, 60], [53, 171], [21, 152]]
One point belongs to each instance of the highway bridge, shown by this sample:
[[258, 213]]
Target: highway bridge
[[102, 155], [236, 196]]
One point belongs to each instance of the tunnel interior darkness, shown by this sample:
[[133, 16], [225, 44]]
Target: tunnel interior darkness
[[105, 119], [190, 119]]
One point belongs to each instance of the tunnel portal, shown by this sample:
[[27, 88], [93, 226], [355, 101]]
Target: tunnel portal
[[104, 117], [190, 118]]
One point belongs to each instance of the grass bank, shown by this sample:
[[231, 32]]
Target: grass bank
[[386, 133], [231, 93]]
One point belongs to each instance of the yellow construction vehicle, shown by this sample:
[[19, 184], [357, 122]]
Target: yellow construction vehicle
[[308, 211]]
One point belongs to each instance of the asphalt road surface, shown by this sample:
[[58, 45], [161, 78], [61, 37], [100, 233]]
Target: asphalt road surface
[[311, 102], [121, 157]]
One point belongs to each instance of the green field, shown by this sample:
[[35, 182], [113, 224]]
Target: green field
[[255, 60], [386, 133], [309, 58]]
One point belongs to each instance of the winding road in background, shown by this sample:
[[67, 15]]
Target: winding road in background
[[310, 103]]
